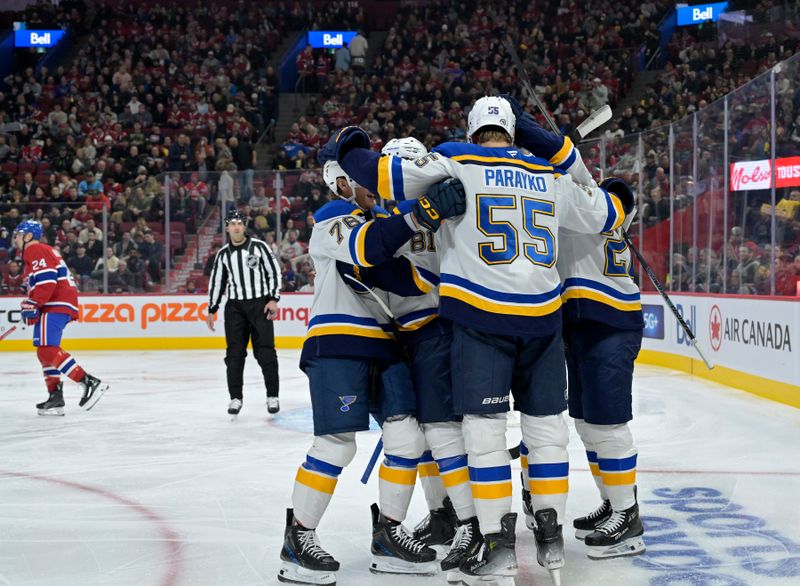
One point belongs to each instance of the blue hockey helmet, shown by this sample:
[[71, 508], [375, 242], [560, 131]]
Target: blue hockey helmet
[[30, 227]]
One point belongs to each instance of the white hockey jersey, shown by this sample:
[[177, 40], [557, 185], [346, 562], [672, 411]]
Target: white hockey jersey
[[497, 260], [342, 324], [595, 269]]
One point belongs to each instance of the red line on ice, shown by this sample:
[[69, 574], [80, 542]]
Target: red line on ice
[[170, 538]]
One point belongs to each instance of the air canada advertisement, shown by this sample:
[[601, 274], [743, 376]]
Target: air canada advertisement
[[751, 335]]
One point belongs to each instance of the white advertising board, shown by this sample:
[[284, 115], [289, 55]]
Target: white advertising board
[[151, 321], [749, 335]]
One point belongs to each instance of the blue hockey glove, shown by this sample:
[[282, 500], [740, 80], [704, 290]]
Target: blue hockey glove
[[30, 311], [516, 107], [622, 190], [347, 139], [442, 200], [354, 276]]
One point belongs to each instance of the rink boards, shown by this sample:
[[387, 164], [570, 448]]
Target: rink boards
[[752, 340]]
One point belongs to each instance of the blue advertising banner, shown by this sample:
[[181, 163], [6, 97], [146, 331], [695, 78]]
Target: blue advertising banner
[[37, 38], [700, 13], [330, 39]]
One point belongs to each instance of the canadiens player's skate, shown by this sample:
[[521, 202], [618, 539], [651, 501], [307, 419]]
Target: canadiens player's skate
[[549, 543], [394, 551], [93, 389], [588, 524], [466, 543], [304, 560], [54, 404], [620, 535], [494, 562], [439, 526]]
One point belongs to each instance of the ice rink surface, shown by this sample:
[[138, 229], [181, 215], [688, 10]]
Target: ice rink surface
[[156, 486]]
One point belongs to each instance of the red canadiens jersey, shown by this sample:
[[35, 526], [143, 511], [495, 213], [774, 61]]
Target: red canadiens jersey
[[50, 283]]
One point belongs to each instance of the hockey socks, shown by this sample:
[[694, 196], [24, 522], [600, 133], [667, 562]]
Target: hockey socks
[[55, 358]]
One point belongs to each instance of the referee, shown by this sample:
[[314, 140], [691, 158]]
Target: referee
[[247, 271]]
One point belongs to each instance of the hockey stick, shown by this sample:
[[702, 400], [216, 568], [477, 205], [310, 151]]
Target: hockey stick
[[660, 288], [594, 118], [372, 461], [7, 333]]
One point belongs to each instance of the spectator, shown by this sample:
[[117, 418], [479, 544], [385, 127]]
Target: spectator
[[14, 279], [83, 235], [81, 263], [244, 157]]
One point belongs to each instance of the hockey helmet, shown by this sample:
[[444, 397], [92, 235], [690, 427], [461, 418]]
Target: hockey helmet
[[331, 171], [405, 148], [491, 111], [29, 227], [235, 215]]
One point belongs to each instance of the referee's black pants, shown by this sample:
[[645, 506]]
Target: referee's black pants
[[245, 321]]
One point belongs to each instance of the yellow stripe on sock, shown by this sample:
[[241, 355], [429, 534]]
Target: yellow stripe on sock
[[455, 477], [594, 468], [558, 486], [428, 469], [398, 475], [619, 478], [315, 481], [491, 491], [523, 461]]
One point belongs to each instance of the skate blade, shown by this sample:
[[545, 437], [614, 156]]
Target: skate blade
[[294, 574], [487, 580], [384, 565], [555, 576], [92, 401], [57, 411], [582, 533], [234, 416], [629, 547]]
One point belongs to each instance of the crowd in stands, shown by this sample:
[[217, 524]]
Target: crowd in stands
[[149, 88], [184, 91]]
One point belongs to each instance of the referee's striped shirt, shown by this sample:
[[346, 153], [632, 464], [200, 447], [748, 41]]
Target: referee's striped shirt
[[247, 271]]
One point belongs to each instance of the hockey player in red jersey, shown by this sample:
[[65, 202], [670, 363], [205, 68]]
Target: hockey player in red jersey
[[51, 304]]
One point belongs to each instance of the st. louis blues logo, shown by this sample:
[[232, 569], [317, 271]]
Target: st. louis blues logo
[[347, 400]]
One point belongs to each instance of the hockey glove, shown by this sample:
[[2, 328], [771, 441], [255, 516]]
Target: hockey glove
[[30, 312], [622, 190], [528, 133], [354, 276], [442, 200], [347, 139], [516, 107]]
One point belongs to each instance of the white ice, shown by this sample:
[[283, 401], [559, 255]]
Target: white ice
[[156, 486]]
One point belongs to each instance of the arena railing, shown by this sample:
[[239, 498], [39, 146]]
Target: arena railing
[[719, 190]]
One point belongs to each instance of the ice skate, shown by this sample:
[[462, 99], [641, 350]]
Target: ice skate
[[494, 562], [549, 543], [439, 527], [93, 389], [588, 524], [394, 551], [619, 536], [273, 405], [527, 509], [54, 404], [304, 560], [234, 407], [467, 542]]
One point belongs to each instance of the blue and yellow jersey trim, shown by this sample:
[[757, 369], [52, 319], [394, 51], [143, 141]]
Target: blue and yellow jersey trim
[[357, 245], [565, 156], [348, 325], [425, 280], [417, 319], [390, 178], [616, 215], [491, 301], [580, 288]]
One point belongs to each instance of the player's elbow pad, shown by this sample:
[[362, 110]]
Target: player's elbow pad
[[623, 192]]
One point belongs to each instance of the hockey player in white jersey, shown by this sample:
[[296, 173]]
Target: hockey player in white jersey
[[603, 334], [505, 242], [345, 345], [427, 338]]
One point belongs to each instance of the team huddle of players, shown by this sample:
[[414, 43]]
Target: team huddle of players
[[501, 267]]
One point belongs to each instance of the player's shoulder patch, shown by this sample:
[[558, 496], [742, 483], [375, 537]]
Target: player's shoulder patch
[[334, 209]]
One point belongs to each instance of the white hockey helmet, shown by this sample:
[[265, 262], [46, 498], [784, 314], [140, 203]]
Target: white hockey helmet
[[405, 148], [491, 111], [331, 171]]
